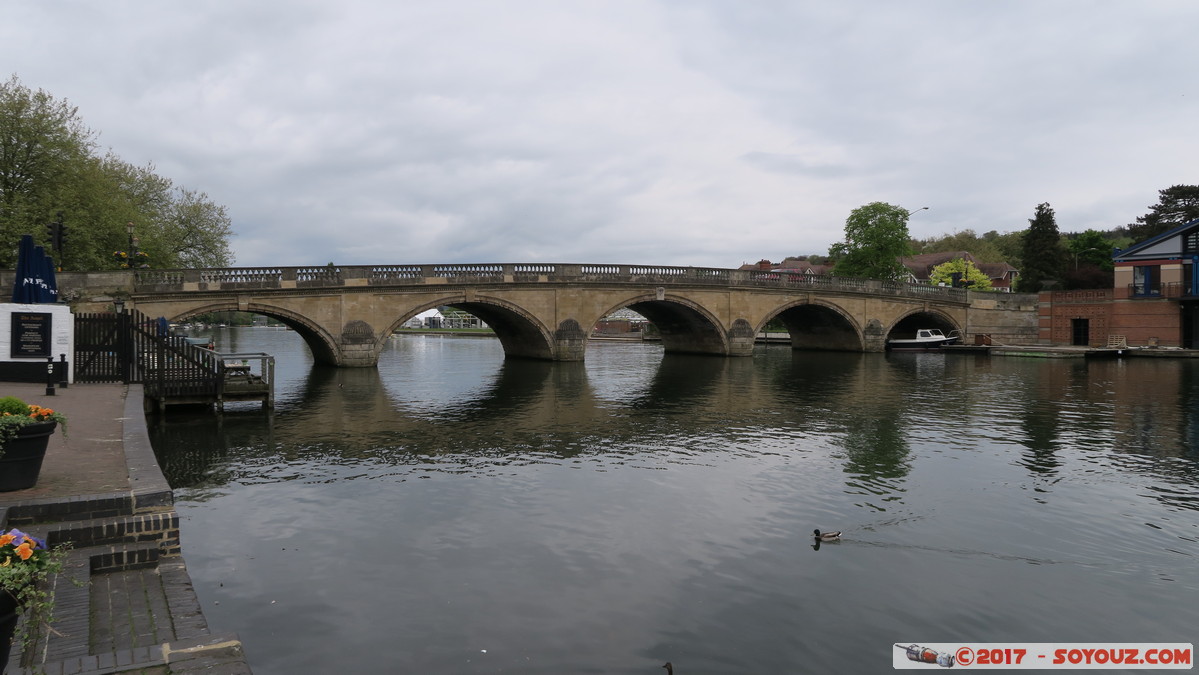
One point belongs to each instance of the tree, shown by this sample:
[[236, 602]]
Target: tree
[[980, 248], [42, 142], [1091, 247], [973, 278], [1091, 261], [1177, 205], [876, 237], [1043, 255], [1010, 246], [48, 165], [195, 231]]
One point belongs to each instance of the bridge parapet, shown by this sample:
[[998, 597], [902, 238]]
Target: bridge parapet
[[333, 276]]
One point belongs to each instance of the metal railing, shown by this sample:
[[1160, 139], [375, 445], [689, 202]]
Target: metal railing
[[1172, 289], [332, 276]]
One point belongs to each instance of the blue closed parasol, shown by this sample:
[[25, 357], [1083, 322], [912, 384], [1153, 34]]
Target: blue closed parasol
[[34, 281]]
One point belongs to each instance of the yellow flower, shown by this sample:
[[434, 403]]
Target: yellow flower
[[25, 550], [6, 539]]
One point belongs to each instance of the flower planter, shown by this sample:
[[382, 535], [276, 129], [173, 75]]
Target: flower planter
[[23, 454]]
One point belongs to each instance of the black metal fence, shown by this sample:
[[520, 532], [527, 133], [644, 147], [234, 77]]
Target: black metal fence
[[102, 348], [131, 347]]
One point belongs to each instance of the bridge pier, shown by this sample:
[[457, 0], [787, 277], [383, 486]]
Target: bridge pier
[[741, 339], [874, 337], [570, 342], [357, 347]]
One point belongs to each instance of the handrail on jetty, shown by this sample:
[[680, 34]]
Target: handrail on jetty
[[332, 276]]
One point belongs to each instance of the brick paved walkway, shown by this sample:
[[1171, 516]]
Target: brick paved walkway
[[101, 490]]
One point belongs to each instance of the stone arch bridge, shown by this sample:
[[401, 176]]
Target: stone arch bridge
[[547, 311]]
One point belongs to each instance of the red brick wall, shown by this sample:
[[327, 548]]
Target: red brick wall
[[1141, 321], [1058, 309]]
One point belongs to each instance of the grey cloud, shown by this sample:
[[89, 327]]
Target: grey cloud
[[697, 133]]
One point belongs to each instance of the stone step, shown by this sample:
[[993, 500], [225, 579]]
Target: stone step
[[133, 610], [86, 507], [160, 528]]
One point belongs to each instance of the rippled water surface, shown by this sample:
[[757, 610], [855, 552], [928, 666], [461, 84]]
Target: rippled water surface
[[453, 512]]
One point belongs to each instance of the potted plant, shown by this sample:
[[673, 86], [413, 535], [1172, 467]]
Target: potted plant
[[25, 431], [25, 563]]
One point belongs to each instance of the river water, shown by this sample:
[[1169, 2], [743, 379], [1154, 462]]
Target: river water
[[453, 512]]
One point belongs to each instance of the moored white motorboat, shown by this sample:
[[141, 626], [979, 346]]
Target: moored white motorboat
[[926, 338]]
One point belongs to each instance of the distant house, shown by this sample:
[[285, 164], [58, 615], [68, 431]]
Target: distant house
[[621, 321], [1002, 275], [1154, 301], [920, 267]]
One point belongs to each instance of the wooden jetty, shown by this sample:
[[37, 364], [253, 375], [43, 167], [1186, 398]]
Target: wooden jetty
[[179, 373]]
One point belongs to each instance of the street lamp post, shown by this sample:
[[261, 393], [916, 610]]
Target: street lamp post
[[922, 208], [132, 243]]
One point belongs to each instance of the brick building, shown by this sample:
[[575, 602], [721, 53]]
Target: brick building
[[1154, 300]]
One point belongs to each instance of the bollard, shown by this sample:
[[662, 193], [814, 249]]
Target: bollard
[[49, 376], [62, 375]]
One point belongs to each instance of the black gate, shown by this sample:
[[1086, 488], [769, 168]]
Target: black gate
[[101, 354], [130, 347]]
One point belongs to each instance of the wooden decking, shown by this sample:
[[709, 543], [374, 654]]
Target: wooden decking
[[228, 378]]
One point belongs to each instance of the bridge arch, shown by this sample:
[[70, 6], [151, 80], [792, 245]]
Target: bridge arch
[[818, 325], [520, 333], [907, 323], [686, 326], [322, 345]]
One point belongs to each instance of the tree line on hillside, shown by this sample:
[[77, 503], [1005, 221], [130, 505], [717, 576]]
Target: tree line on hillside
[[79, 202], [876, 237]]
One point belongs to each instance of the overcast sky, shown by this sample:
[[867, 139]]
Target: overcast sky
[[651, 132]]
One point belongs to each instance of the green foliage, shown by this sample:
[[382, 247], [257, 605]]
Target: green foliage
[[11, 405], [1091, 247], [25, 565], [49, 164], [15, 413], [1010, 246], [42, 142], [1177, 205], [876, 237], [1043, 255], [975, 279], [980, 248], [1090, 260]]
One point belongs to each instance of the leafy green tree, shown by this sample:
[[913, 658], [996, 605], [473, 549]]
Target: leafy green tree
[[876, 237], [49, 165], [42, 143], [195, 232], [966, 240], [1091, 260], [1177, 205], [973, 277], [1010, 246], [1091, 247], [1043, 255]]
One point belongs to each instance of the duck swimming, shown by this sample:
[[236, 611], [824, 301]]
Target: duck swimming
[[826, 536], [669, 668]]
